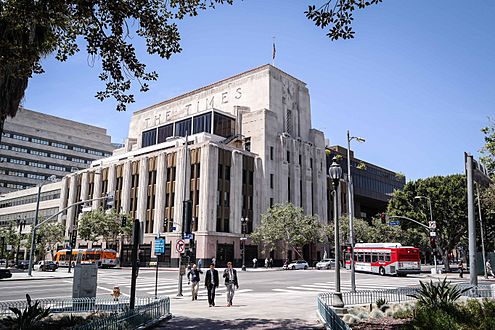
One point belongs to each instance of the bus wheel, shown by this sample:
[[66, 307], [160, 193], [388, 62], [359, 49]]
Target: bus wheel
[[381, 271]]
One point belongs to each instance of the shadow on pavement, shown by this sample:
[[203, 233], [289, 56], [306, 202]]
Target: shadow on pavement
[[180, 322]]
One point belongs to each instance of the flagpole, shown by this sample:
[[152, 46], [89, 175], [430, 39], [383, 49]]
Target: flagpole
[[273, 52]]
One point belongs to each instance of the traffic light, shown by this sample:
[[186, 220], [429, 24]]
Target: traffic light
[[187, 216], [73, 239], [383, 218], [123, 220], [109, 200]]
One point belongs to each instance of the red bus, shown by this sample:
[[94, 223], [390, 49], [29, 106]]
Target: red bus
[[385, 258]]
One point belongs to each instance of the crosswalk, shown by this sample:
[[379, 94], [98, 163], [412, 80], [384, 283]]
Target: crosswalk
[[379, 283], [165, 287]]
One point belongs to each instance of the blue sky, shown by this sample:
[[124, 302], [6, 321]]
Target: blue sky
[[418, 81]]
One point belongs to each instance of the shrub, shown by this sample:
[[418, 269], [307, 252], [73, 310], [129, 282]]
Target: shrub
[[438, 295], [29, 318], [434, 319], [377, 314], [380, 302]]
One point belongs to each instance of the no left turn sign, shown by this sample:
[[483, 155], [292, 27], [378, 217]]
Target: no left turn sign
[[180, 246]]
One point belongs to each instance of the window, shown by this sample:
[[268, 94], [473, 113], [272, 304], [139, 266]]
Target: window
[[35, 176], [271, 181], [4, 134], [220, 171], [17, 149], [183, 127], [271, 153], [17, 161], [57, 156], [227, 172], [271, 202], [223, 125], [387, 257], [35, 164], [374, 258], [3, 146], [288, 156], [164, 132], [300, 160], [367, 258], [95, 152], [20, 137], [59, 145], [39, 153], [202, 123], [56, 168], [78, 149], [78, 160], [381, 257], [311, 163], [149, 138], [39, 141], [14, 173]]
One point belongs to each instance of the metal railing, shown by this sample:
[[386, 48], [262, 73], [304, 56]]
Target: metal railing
[[132, 319], [75, 305], [398, 295], [328, 315]]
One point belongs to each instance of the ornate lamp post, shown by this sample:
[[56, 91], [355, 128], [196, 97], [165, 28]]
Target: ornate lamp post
[[431, 222], [244, 222], [335, 172]]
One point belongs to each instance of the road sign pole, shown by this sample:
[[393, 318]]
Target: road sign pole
[[156, 279], [179, 247]]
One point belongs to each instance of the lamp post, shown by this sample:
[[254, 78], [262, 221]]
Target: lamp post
[[431, 219], [350, 193], [244, 222], [335, 172], [20, 224], [52, 178]]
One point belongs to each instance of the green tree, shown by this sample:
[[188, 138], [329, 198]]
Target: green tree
[[449, 205], [11, 237], [287, 225], [488, 150], [31, 30], [48, 236], [98, 224]]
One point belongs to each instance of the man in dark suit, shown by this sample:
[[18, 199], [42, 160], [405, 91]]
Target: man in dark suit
[[211, 283], [230, 276]]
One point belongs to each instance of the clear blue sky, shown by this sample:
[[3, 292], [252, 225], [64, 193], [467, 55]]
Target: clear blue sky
[[418, 81]]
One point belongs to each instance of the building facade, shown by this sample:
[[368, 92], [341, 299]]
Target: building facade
[[35, 146], [233, 148]]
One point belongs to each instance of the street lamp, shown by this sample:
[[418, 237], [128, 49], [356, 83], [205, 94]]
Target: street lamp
[[335, 172], [20, 223], [244, 222], [431, 219], [50, 179], [350, 193]]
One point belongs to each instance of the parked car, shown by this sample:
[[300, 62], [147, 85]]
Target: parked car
[[298, 264], [23, 264], [45, 266], [325, 264], [5, 273]]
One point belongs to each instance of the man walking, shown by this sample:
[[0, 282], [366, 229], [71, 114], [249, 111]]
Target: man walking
[[193, 277], [230, 276], [461, 268], [211, 283], [489, 270]]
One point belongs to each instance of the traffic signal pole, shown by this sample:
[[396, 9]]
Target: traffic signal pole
[[135, 243]]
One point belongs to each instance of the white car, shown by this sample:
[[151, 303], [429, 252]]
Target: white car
[[298, 264], [325, 264]]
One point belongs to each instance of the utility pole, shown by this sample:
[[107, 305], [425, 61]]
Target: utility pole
[[184, 206], [33, 234], [135, 243], [481, 229], [473, 278]]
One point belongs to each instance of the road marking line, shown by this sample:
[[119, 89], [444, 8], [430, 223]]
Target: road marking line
[[111, 290]]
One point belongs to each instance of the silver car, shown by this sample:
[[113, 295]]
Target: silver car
[[298, 264], [325, 264]]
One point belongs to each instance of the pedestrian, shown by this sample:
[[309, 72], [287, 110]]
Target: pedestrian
[[254, 262], [211, 283], [231, 281], [270, 262], [489, 270], [286, 264], [214, 260], [193, 277], [266, 262], [200, 263], [461, 268]]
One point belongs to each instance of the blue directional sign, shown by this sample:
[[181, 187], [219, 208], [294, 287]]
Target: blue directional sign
[[394, 223], [187, 236], [159, 246]]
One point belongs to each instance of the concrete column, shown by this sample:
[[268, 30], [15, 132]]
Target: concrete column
[[98, 178], [84, 186], [161, 184], [260, 203], [72, 199], [112, 177], [142, 190], [207, 216], [235, 193], [181, 185], [64, 190], [126, 187]]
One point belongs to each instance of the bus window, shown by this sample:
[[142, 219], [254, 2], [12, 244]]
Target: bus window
[[367, 258], [360, 257], [387, 257], [381, 257], [374, 258], [355, 257], [347, 257]]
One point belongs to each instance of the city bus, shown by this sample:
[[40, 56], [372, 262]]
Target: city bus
[[102, 257], [385, 259]]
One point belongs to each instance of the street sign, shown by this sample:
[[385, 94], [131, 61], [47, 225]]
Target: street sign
[[432, 225], [433, 233], [9, 247], [173, 228], [243, 238], [394, 223], [180, 246], [159, 246], [188, 236], [86, 209]]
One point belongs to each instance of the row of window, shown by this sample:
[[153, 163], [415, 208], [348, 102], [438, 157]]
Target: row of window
[[34, 164], [23, 174], [44, 196], [368, 257], [371, 184], [53, 144], [45, 154]]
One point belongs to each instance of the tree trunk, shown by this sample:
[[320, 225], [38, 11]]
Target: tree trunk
[[11, 93], [445, 258]]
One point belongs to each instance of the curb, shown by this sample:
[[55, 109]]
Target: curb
[[154, 323]]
